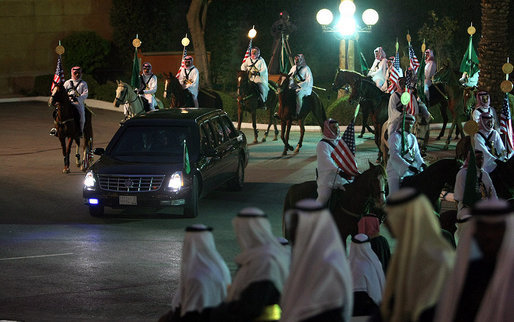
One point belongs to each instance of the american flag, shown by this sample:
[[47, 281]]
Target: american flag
[[410, 106], [247, 54], [183, 63], [344, 153], [59, 75], [414, 62], [394, 73], [506, 125]]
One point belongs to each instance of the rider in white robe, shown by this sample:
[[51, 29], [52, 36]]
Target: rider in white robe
[[189, 78]]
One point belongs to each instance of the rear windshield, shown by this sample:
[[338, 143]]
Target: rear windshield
[[157, 141]]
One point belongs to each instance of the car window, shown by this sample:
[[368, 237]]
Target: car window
[[207, 136], [155, 140], [228, 126], [217, 128]]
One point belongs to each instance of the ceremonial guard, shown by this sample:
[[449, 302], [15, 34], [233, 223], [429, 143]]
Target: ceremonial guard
[[378, 71], [300, 80], [189, 78], [482, 106], [258, 73], [148, 82], [329, 175], [404, 155], [488, 141], [77, 92], [430, 70]]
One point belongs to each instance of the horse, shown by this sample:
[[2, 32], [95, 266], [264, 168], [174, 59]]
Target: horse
[[248, 100], [125, 95], [287, 108], [68, 129], [180, 97], [454, 90], [435, 177], [364, 195], [373, 102]]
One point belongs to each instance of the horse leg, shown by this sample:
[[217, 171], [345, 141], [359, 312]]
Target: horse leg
[[254, 125], [302, 132], [449, 136], [77, 150], [239, 114], [67, 152], [443, 107]]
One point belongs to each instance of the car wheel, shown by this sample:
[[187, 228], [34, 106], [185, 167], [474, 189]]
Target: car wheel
[[96, 211], [238, 181], [191, 205]]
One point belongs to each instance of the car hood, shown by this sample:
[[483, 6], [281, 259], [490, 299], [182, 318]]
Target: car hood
[[136, 165]]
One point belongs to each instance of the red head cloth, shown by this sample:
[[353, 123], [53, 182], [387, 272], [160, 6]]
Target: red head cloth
[[482, 99], [299, 60], [369, 225], [327, 131], [429, 55], [380, 53]]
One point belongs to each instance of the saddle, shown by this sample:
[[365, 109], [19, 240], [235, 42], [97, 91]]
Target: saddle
[[146, 104]]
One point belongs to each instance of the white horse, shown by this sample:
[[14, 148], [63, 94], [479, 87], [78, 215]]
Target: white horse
[[125, 95]]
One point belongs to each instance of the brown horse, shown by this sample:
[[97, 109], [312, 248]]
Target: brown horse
[[364, 195], [68, 129], [287, 108], [248, 100], [373, 102], [180, 97], [448, 78]]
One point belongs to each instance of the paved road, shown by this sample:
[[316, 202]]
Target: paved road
[[59, 264]]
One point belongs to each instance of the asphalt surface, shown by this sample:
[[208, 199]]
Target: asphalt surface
[[60, 264]]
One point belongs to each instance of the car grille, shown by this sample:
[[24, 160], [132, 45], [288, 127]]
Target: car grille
[[126, 183]]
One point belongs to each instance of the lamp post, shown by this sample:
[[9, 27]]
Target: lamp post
[[347, 29]]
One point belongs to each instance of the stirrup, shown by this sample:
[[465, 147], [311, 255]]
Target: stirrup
[[53, 131]]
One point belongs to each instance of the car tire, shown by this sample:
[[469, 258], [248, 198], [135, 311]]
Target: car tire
[[237, 182], [96, 211], [191, 204]]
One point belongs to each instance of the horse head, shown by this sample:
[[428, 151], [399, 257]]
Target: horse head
[[121, 93], [58, 94], [350, 81]]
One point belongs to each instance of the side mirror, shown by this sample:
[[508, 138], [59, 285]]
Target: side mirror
[[98, 151]]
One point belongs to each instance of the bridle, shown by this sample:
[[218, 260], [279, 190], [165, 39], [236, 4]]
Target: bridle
[[123, 100]]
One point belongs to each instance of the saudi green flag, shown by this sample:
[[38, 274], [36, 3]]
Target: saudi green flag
[[421, 82], [469, 62], [363, 64], [134, 80], [187, 166], [471, 193]]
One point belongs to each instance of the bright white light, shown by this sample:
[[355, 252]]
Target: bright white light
[[347, 8], [324, 17], [89, 180], [252, 33], [346, 26], [176, 181], [93, 201], [185, 41], [370, 17]]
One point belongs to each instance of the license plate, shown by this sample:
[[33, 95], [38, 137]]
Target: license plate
[[128, 200]]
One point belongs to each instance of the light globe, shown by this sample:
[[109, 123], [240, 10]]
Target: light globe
[[347, 8], [324, 17], [370, 17], [185, 41], [346, 26], [252, 33]]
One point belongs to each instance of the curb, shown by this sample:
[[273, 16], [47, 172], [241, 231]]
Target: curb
[[110, 106]]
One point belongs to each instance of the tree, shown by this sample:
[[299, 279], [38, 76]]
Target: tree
[[439, 35], [196, 21], [492, 49]]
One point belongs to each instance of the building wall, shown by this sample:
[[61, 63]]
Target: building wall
[[31, 29]]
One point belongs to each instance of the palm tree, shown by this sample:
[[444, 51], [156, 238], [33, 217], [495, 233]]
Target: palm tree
[[493, 48]]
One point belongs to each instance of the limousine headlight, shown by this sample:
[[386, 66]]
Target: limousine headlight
[[90, 181], [176, 181]]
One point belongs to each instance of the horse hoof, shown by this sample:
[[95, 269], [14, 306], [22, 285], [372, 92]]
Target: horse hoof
[[66, 170], [263, 140], [275, 138], [361, 136], [290, 148], [284, 153], [438, 138], [296, 150], [255, 141]]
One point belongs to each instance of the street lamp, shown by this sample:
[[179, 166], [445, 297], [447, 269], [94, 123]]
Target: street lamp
[[346, 28]]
